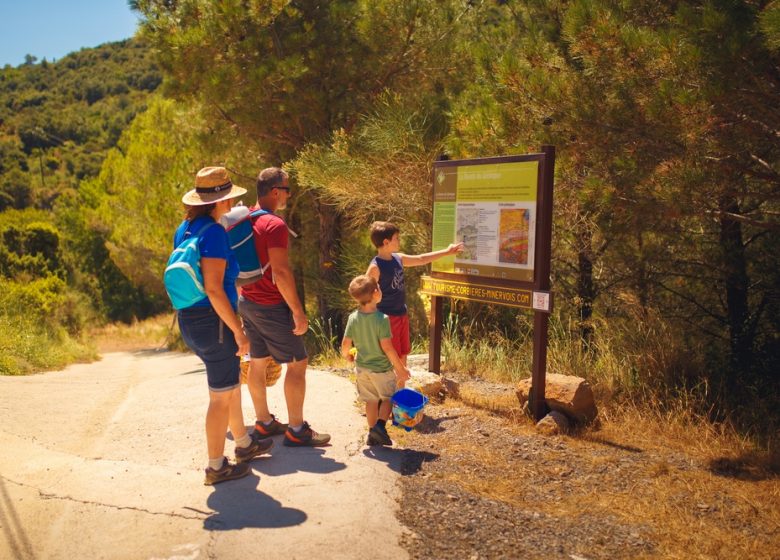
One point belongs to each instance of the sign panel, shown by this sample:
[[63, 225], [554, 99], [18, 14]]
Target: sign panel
[[513, 297], [491, 206], [541, 302]]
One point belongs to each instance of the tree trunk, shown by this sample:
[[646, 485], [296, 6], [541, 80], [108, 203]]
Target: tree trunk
[[642, 284], [299, 258], [330, 250], [586, 292], [736, 282]]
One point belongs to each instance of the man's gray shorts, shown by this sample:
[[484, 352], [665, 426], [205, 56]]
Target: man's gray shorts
[[269, 330]]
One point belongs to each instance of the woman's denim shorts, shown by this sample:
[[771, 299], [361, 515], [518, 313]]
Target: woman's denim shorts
[[206, 335]]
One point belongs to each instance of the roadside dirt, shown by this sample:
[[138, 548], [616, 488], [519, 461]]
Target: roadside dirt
[[480, 485], [110, 455]]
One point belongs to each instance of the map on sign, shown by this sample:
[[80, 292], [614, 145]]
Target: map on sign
[[491, 208]]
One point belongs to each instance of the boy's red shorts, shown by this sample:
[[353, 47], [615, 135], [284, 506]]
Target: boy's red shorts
[[399, 328]]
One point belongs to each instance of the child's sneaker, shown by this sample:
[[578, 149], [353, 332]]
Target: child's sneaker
[[305, 437], [228, 471], [262, 431], [378, 435], [257, 447]]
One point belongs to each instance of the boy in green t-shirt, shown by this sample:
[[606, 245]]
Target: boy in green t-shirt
[[378, 368]]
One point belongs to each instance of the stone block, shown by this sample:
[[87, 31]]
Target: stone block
[[428, 383], [451, 387], [554, 423], [568, 394]]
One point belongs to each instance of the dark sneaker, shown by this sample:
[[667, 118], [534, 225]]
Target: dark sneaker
[[275, 429], [228, 471], [378, 436], [305, 437], [257, 447]]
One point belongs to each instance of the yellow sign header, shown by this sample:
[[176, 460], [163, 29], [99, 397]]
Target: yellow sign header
[[498, 182]]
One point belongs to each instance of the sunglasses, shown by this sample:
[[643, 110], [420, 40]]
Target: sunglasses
[[283, 188]]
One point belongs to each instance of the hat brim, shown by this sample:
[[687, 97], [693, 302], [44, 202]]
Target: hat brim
[[194, 198]]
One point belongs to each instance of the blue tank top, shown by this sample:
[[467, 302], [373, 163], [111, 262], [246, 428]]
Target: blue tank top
[[391, 282]]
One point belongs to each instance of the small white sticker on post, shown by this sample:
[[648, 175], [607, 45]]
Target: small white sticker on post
[[541, 301]]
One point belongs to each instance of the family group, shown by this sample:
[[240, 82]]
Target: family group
[[266, 319]]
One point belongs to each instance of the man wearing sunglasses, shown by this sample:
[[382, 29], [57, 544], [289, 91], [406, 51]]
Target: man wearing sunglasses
[[275, 320]]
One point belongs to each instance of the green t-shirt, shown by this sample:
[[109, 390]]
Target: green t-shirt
[[366, 330]]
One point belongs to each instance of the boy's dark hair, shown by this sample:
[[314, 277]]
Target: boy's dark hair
[[362, 288], [381, 231], [268, 179]]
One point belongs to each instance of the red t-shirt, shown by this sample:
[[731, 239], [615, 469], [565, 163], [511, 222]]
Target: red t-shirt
[[270, 231]]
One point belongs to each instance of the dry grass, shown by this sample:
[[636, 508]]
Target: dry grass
[[692, 503], [155, 332], [695, 490]]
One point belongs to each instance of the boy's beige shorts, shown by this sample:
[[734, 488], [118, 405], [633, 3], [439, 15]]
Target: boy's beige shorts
[[374, 386]]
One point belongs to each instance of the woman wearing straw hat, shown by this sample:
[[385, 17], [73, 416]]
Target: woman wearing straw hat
[[203, 324]]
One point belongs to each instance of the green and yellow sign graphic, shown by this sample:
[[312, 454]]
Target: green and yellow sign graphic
[[490, 208]]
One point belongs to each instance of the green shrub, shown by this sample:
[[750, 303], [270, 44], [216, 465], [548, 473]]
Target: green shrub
[[31, 250], [47, 301], [28, 345]]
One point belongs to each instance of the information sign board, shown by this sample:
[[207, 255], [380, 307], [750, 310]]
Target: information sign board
[[501, 210], [491, 206]]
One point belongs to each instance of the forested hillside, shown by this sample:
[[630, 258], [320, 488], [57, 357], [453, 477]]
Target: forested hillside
[[664, 116], [58, 120]]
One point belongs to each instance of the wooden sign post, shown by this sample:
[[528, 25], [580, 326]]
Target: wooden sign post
[[501, 209]]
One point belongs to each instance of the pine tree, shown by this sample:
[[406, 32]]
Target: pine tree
[[289, 74]]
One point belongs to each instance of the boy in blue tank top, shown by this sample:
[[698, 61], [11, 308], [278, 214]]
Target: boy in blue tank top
[[387, 268]]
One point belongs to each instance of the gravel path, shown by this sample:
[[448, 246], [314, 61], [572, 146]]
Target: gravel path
[[480, 486]]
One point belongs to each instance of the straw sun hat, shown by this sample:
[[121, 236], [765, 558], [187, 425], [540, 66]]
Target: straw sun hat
[[212, 184]]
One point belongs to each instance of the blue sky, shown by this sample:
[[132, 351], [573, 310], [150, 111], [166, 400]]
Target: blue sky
[[54, 28]]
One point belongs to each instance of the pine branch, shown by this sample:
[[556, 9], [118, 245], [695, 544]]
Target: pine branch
[[721, 319]]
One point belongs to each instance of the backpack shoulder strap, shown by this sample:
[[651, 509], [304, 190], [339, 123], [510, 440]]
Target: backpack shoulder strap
[[253, 216], [259, 212], [204, 228], [196, 234]]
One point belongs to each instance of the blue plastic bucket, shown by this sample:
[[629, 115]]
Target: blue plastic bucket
[[408, 408]]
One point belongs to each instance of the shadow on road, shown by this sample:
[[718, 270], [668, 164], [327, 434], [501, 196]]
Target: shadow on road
[[238, 504], [152, 352], [431, 425], [192, 371], [18, 542], [287, 460], [403, 461]]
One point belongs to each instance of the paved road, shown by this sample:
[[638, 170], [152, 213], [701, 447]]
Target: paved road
[[105, 460]]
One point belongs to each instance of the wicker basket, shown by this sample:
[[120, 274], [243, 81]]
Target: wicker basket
[[272, 372]]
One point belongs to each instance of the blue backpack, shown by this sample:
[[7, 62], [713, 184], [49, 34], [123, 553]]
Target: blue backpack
[[182, 277], [238, 223]]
